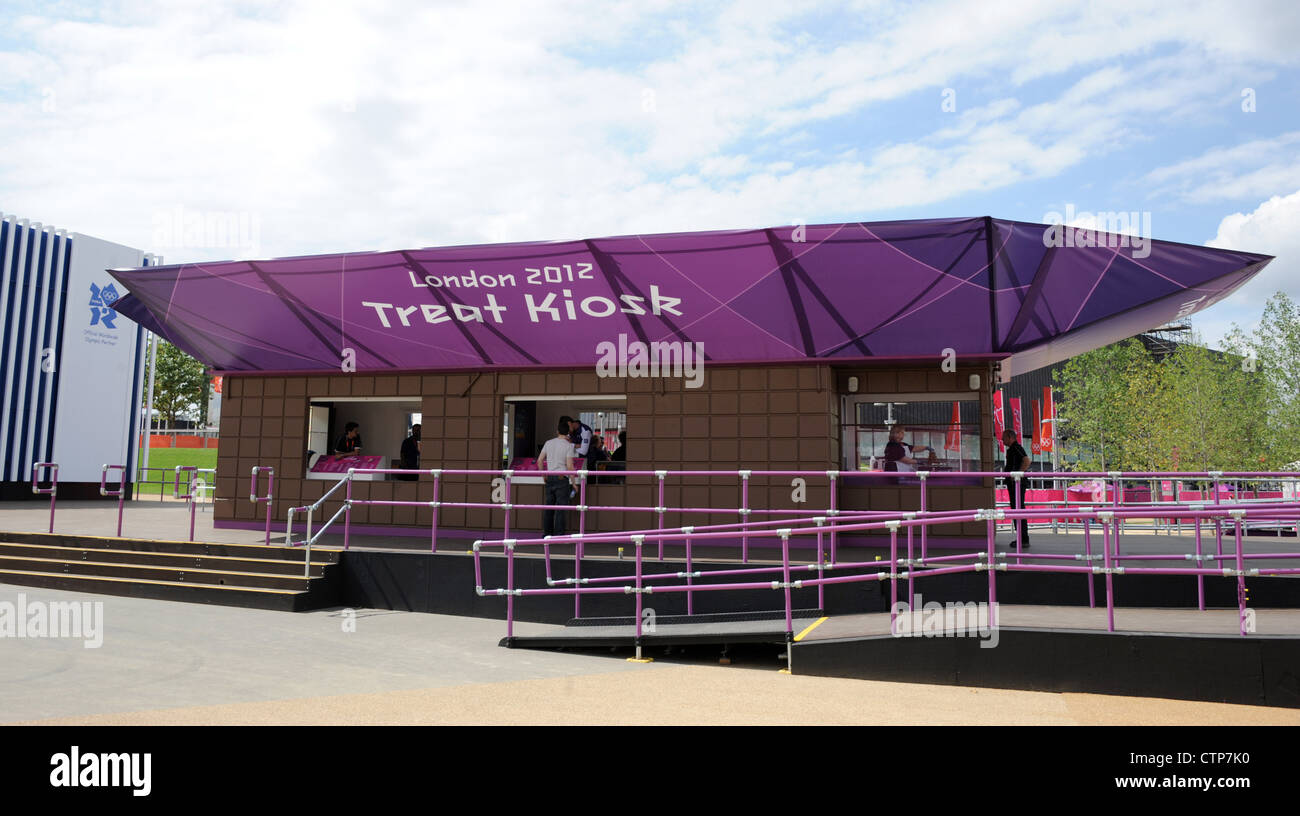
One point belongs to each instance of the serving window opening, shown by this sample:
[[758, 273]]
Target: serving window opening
[[529, 421], [937, 434], [383, 424]]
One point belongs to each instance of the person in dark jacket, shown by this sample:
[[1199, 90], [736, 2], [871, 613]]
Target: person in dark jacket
[[1017, 460], [349, 443], [411, 454]]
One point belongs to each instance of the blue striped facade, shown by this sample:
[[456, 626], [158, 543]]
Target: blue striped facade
[[34, 263]]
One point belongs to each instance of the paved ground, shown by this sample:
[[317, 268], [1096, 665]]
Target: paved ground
[[166, 662], [173, 663]]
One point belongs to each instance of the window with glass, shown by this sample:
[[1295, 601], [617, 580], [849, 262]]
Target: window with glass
[[937, 434]]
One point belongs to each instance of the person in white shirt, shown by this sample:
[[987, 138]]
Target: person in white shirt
[[556, 456]]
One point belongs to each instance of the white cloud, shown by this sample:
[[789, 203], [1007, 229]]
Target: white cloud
[[399, 124], [1270, 229], [1251, 169]]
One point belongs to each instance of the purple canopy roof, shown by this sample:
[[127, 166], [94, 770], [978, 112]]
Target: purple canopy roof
[[901, 290]]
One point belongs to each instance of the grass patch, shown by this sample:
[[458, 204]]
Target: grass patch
[[170, 458]]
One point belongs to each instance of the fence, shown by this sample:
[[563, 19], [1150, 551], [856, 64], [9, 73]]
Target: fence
[[184, 438], [196, 486], [990, 560]]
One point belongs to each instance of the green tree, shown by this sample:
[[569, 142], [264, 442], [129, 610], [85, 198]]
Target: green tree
[[1217, 411], [1093, 405], [180, 384], [1270, 358]]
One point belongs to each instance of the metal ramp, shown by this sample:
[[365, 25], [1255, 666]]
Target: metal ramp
[[664, 630]]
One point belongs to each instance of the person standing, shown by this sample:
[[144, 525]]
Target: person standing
[[579, 435], [596, 454], [899, 455], [555, 456], [411, 454], [618, 459], [1016, 460]]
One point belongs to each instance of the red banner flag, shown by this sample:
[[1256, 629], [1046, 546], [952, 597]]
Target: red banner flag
[[1049, 420], [953, 441], [1035, 441], [1015, 418], [999, 420]]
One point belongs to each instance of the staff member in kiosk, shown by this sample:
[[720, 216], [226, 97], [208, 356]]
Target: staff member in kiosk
[[898, 454], [349, 443]]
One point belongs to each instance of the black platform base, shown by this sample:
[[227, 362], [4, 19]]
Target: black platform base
[[1209, 668]]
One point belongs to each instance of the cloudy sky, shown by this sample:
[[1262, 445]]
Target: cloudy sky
[[310, 127]]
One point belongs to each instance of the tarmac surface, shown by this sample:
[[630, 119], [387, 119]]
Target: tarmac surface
[[168, 663], [163, 662]]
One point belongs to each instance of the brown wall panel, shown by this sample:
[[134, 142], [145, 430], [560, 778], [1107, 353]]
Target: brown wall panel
[[753, 417]]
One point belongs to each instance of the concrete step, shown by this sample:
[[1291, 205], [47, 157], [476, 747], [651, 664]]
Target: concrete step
[[251, 575], [274, 566], [258, 598]]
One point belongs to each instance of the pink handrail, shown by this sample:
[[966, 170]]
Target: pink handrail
[[189, 495], [1108, 518], [268, 498], [120, 493], [52, 490]]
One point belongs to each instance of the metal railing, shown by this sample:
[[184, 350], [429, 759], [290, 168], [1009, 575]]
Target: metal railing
[[269, 498], [52, 490], [989, 559], [120, 493], [833, 480]]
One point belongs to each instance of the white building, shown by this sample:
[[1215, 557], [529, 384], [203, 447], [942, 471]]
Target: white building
[[72, 368]]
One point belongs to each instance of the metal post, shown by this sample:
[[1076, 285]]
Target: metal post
[[1110, 586], [433, 530], [347, 511], [992, 543], [577, 551], [1241, 576], [911, 594], [121, 490], [821, 564], [789, 612], [893, 577], [579, 548], [270, 493], [1200, 562], [660, 508], [148, 410], [53, 489], [834, 475], [1016, 504], [306, 559], [1087, 546], [637, 541], [506, 511], [924, 527], [510, 589], [1115, 522], [1178, 522], [690, 596], [1218, 522], [189, 493], [744, 515]]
